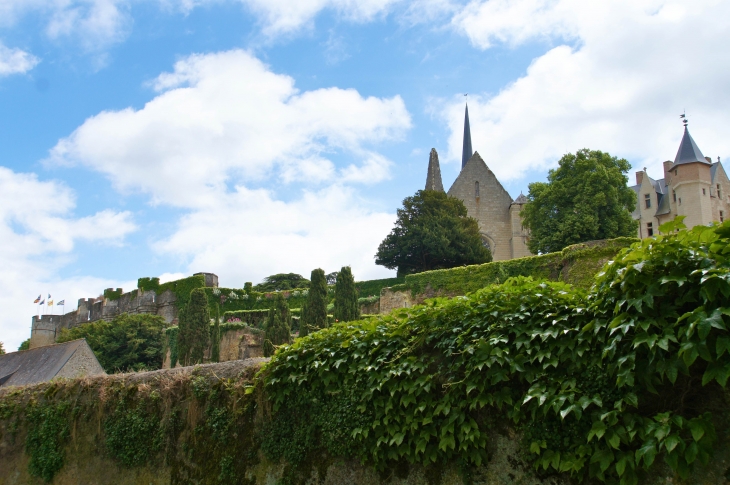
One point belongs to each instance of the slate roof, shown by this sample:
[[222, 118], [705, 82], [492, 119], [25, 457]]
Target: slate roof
[[688, 151], [521, 199], [466, 151], [37, 365], [662, 193]]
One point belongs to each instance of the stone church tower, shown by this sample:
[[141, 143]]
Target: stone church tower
[[486, 200]]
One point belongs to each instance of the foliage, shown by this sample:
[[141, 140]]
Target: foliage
[[303, 327], [126, 343], [254, 318], [433, 231], [585, 198], [132, 434], [110, 294], [278, 326], [24, 345], [147, 284], [48, 430], [2, 349], [282, 281], [215, 351], [592, 379], [316, 315], [171, 341], [346, 306], [182, 288], [193, 329], [587, 260], [373, 287]]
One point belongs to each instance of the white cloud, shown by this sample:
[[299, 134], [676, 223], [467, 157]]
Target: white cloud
[[249, 235], [630, 69], [38, 234], [225, 117], [15, 61]]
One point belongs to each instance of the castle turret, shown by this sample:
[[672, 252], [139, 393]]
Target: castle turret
[[692, 182], [433, 178]]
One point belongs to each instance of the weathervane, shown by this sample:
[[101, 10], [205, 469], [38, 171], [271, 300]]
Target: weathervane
[[465, 95], [683, 116]]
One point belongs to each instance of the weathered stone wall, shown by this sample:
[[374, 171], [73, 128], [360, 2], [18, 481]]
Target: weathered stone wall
[[370, 308], [82, 363], [390, 299], [238, 344]]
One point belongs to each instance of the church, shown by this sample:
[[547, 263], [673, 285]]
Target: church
[[486, 200]]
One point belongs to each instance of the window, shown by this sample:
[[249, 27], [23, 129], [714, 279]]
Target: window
[[674, 196], [719, 194], [675, 171], [647, 200], [476, 189], [722, 216], [649, 229], [680, 201], [704, 192]]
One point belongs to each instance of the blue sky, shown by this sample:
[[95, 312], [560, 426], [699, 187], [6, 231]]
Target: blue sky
[[250, 137]]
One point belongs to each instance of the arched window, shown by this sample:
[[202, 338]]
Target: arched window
[[476, 189]]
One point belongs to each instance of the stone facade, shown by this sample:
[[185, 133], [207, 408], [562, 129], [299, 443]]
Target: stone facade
[[239, 344], [693, 186], [46, 328]]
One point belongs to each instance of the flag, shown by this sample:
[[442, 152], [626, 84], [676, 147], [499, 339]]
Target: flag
[[50, 302], [49, 296], [43, 302], [37, 299], [62, 302]]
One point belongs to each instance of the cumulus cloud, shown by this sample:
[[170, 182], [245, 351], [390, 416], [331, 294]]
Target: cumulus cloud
[[15, 61], [618, 77], [227, 118], [39, 233], [249, 235]]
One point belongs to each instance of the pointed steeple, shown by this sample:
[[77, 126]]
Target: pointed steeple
[[688, 151], [433, 179], [466, 151]]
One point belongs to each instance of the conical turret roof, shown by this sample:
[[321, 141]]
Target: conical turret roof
[[466, 151], [688, 151]]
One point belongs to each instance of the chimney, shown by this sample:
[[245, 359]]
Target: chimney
[[709, 160], [667, 167], [639, 177]]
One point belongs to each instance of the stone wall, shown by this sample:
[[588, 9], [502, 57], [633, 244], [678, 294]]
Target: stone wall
[[238, 344], [83, 362]]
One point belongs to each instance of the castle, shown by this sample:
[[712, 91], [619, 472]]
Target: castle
[[486, 200], [693, 186]]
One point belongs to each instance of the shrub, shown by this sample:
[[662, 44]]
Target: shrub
[[346, 307]]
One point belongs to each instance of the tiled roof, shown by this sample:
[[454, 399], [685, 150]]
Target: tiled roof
[[36, 365]]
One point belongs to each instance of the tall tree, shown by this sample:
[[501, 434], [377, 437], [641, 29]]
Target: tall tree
[[278, 325], [315, 316], [126, 343], [215, 348], [2, 349], [346, 307], [433, 231], [282, 281], [585, 198], [194, 328], [303, 328]]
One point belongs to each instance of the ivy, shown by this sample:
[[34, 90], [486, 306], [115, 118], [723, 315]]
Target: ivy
[[48, 431], [371, 288], [590, 378], [132, 434], [110, 294]]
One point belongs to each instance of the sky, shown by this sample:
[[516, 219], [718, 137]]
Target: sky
[[253, 137]]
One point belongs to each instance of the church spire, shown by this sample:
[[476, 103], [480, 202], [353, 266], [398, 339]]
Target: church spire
[[466, 151], [433, 179]]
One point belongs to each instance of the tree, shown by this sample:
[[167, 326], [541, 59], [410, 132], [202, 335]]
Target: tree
[[346, 307], [24, 345], [282, 281], [126, 343], [193, 333], [332, 277], [433, 231], [303, 328], [215, 348], [278, 325], [585, 198], [315, 315], [2, 349]]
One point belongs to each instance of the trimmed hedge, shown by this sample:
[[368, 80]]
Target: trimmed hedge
[[372, 287]]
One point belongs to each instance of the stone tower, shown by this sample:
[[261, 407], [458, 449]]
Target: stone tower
[[433, 178]]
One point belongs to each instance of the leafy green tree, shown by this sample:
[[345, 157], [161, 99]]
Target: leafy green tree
[[433, 231], [126, 343], [215, 349], [346, 307], [303, 328], [24, 345], [585, 198], [282, 281], [332, 277], [315, 316], [2, 349], [278, 325], [193, 333]]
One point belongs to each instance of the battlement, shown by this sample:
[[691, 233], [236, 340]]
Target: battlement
[[46, 328]]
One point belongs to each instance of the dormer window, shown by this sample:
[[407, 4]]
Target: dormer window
[[647, 200]]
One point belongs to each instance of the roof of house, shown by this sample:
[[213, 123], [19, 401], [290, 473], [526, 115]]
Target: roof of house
[[688, 151], [37, 365]]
